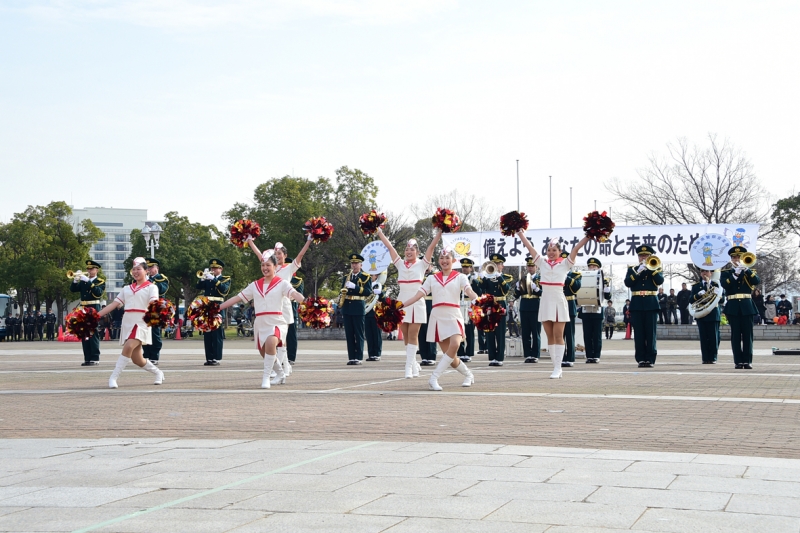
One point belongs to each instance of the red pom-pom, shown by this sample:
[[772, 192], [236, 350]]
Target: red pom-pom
[[319, 229], [486, 313], [315, 312], [160, 313], [204, 314], [370, 222], [598, 226], [512, 222], [242, 229], [389, 314], [83, 322], [446, 220]]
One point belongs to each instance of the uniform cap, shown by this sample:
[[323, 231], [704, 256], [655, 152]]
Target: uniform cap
[[529, 261], [497, 258], [356, 258], [594, 261], [152, 261], [737, 250], [93, 264], [216, 263], [467, 262], [645, 250], [564, 255]]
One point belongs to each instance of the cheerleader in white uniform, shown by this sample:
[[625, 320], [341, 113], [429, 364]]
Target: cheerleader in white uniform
[[553, 311], [285, 272], [410, 273], [446, 325], [270, 327], [135, 332]]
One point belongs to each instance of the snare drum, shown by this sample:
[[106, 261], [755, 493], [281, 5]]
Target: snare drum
[[591, 291]]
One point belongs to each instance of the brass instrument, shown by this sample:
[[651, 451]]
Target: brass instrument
[[74, 275], [202, 273], [748, 259], [371, 300], [489, 270], [706, 303], [343, 292], [653, 263]]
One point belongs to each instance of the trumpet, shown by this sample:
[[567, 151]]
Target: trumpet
[[202, 273], [74, 275], [653, 263], [489, 270], [748, 259]]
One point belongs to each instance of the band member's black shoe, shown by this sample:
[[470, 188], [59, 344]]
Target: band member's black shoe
[[747, 366]]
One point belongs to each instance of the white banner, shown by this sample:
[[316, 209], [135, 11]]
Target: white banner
[[671, 243]]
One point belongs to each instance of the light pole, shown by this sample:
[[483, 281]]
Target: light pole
[[517, 184], [151, 235], [551, 201], [570, 207]]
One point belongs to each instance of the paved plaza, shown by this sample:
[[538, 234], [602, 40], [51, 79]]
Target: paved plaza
[[610, 447]]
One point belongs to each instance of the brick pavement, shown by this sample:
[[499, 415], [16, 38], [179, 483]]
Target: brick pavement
[[679, 406]]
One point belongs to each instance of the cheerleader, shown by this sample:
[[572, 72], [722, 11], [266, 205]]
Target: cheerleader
[[410, 273], [270, 327], [553, 310], [446, 324], [285, 272], [135, 332]]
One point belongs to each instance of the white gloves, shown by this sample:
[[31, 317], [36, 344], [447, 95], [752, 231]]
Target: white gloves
[[739, 270], [641, 268], [518, 285], [376, 291], [607, 290], [536, 288], [84, 278], [249, 238], [310, 237], [350, 285], [208, 275], [700, 293]]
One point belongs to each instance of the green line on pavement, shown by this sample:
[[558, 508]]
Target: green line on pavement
[[218, 489]]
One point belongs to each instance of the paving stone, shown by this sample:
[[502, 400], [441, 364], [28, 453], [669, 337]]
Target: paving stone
[[773, 473], [576, 463], [442, 525], [559, 492], [427, 487], [672, 499], [487, 473], [568, 513], [390, 470], [736, 486], [686, 469], [546, 451], [765, 505], [303, 482], [299, 502], [72, 496], [461, 507], [319, 523], [614, 479], [58, 518], [682, 521], [185, 521], [449, 458], [188, 480]]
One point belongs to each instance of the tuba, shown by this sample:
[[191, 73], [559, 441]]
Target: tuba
[[489, 270], [707, 303], [373, 299]]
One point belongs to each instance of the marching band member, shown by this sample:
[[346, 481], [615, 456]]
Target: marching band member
[[644, 307], [371, 329], [592, 317], [498, 285], [153, 351], [467, 349], [738, 283], [270, 327], [447, 324], [553, 311], [215, 287], [410, 273], [529, 293], [708, 325], [91, 288], [427, 350], [571, 287], [135, 332], [357, 287], [291, 336]]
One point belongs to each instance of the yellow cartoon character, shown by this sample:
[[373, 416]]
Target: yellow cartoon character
[[373, 258], [462, 248]]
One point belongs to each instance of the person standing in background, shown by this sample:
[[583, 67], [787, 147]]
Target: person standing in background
[[684, 298]]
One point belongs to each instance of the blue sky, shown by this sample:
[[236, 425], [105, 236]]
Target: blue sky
[[187, 106]]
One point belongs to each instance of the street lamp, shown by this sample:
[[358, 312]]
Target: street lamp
[[151, 235]]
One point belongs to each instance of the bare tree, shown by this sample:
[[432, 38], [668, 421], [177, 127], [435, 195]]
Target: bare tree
[[778, 270]]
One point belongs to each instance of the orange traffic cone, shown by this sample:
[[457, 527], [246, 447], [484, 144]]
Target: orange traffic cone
[[60, 334], [178, 331], [628, 332], [107, 337], [399, 334]]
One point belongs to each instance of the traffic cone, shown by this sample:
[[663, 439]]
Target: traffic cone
[[399, 334], [60, 334], [107, 337], [628, 332], [178, 331]]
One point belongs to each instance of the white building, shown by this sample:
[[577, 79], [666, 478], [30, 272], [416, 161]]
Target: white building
[[113, 249]]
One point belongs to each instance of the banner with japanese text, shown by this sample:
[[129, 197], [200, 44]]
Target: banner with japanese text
[[671, 243]]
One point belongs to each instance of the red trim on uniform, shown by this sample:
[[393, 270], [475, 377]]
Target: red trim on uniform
[[409, 281], [447, 305], [436, 333], [135, 311], [278, 335], [136, 288], [439, 276], [553, 263], [260, 285], [133, 331], [269, 313], [553, 284]]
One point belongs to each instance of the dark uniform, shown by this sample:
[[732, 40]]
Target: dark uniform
[[153, 351], [572, 284], [427, 350], [50, 320], [644, 308], [498, 286], [215, 289], [529, 295], [466, 351], [39, 320], [28, 322], [11, 328], [291, 333], [371, 330], [708, 325], [91, 291], [18, 328], [592, 319], [353, 311], [740, 309]]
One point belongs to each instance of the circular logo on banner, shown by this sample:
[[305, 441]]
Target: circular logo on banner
[[710, 251], [376, 258], [462, 247]]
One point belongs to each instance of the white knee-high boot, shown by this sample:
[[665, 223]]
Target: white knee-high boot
[[283, 357], [280, 375], [122, 362], [153, 369], [469, 379], [433, 383], [557, 355], [411, 361], [269, 362]]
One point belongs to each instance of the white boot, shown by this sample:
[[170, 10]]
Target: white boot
[[283, 357], [557, 355], [122, 362], [269, 361], [433, 383], [153, 369], [280, 375], [469, 379], [411, 360]]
